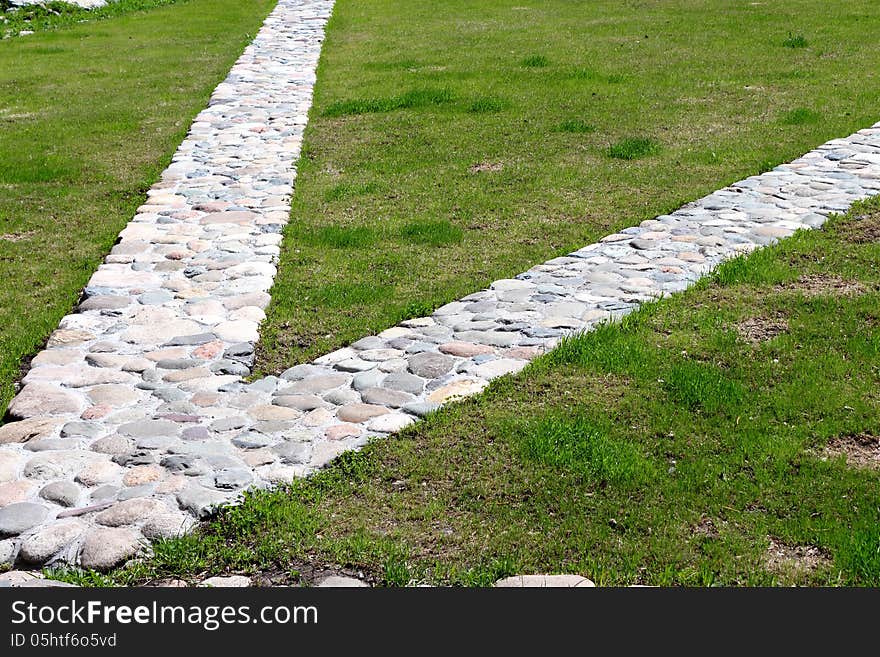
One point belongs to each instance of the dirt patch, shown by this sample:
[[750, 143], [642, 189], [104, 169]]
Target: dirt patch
[[705, 528], [814, 285], [795, 560], [861, 229], [484, 166], [16, 237], [861, 450], [761, 329]]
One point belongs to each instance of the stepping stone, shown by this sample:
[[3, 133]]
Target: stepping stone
[[338, 581], [544, 581]]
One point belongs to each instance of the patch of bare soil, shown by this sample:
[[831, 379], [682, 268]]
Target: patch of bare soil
[[705, 528], [795, 560], [862, 229], [486, 166], [861, 451], [16, 237], [814, 285], [761, 329]]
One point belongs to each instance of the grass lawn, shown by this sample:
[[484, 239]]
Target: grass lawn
[[89, 117], [54, 14], [454, 143], [728, 435]]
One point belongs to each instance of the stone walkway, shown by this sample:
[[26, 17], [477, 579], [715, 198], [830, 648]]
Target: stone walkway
[[135, 420]]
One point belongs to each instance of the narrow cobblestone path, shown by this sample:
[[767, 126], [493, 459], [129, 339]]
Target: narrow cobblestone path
[[135, 420]]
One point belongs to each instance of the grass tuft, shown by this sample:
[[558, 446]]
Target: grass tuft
[[486, 105], [432, 233], [795, 41], [633, 148], [535, 61], [576, 125], [801, 116]]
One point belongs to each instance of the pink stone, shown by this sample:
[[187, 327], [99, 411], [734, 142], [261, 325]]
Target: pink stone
[[341, 431], [170, 352], [15, 491], [208, 350], [524, 353], [360, 412], [96, 412], [142, 474], [465, 349], [204, 399]]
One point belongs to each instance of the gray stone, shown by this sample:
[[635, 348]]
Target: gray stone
[[179, 363], [195, 433], [86, 429], [386, 397], [404, 382], [135, 457], [230, 367], [232, 581], [317, 384], [420, 409], [300, 402], [183, 464], [149, 428], [370, 342], [238, 350], [187, 340], [292, 453], [430, 365], [369, 379], [8, 551], [354, 365], [63, 493], [132, 492], [166, 525], [51, 444], [200, 501], [19, 517], [299, 372], [342, 396], [48, 541], [251, 440], [232, 478], [337, 581], [264, 385], [107, 547], [108, 302], [229, 423]]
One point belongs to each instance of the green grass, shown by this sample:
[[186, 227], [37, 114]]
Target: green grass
[[411, 99], [594, 116], [633, 148], [666, 449], [89, 116], [53, 15], [795, 41], [576, 125], [535, 61], [800, 116]]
